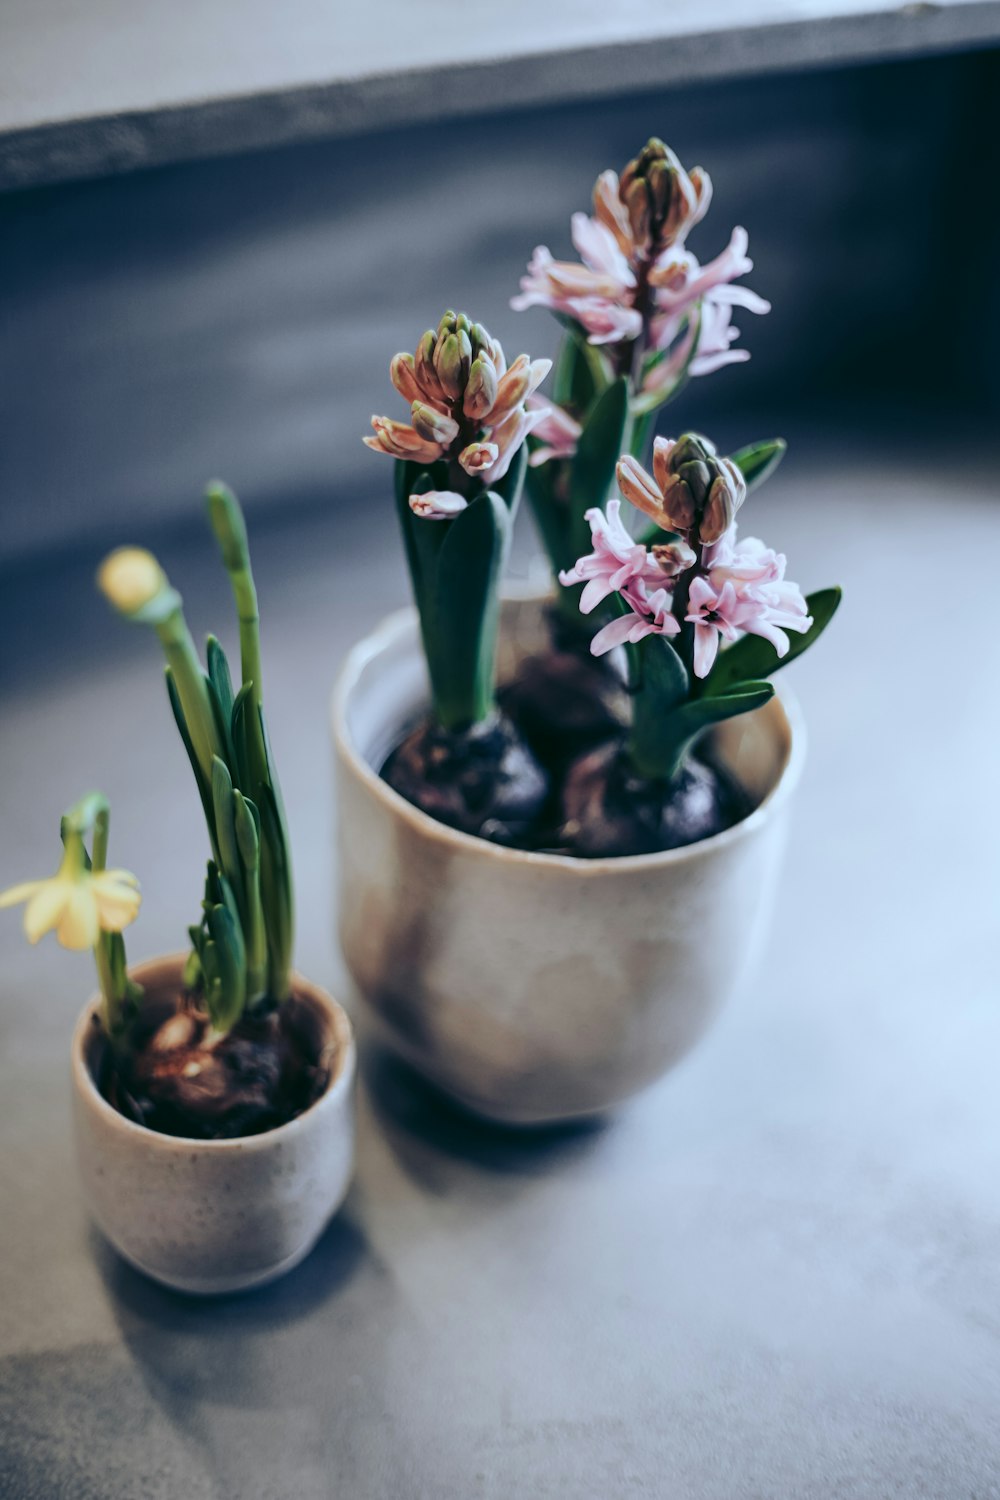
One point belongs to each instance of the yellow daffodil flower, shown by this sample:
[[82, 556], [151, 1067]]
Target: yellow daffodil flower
[[78, 903]]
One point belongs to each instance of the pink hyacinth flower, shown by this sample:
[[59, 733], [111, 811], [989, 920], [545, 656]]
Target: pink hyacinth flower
[[616, 561], [558, 431], [650, 616], [713, 612], [597, 293], [745, 590]]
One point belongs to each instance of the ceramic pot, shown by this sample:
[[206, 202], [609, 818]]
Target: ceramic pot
[[219, 1215], [533, 987]]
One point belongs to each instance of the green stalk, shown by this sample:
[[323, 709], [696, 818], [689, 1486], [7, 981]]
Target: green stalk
[[189, 681]]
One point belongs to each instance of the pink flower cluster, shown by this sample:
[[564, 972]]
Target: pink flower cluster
[[689, 326], [739, 587]]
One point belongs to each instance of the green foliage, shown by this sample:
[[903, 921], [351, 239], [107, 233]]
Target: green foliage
[[456, 567], [243, 946], [587, 479], [759, 460]]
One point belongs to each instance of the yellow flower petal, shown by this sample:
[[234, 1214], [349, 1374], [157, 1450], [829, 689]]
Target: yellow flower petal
[[45, 908], [79, 926], [116, 893], [22, 892]]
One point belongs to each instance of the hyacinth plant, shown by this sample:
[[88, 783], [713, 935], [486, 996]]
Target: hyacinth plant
[[643, 317], [459, 473], [706, 618], [87, 906]]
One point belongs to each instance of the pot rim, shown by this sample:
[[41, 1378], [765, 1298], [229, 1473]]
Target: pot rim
[[404, 620], [338, 1085]]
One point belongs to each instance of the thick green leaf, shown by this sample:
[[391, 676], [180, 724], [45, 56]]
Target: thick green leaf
[[759, 461], [581, 372], [225, 827], [462, 617], [753, 657], [551, 516], [658, 682], [224, 960], [412, 479], [592, 471], [688, 723]]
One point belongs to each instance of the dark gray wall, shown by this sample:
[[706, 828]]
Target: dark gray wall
[[236, 316]]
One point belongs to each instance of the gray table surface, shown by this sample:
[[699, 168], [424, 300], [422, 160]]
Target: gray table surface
[[777, 1274]]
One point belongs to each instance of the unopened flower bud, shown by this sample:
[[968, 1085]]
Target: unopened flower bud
[[434, 425], [673, 557], [402, 373], [725, 497], [701, 492], [481, 388], [452, 361], [130, 578], [663, 200], [478, 457], [423, 366]]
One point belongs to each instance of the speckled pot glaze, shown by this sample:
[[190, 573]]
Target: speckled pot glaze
[[217, 1216], [536, 988]]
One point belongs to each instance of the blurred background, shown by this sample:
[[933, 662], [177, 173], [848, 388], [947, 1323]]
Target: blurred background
[[217, 224], [236, 314]]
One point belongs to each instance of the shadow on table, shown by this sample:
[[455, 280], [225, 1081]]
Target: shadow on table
[[298, 1294], [425, 1129]]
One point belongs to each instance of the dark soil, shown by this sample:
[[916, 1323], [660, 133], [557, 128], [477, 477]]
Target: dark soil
[[608, 810], [172, 1078], [483, 780]]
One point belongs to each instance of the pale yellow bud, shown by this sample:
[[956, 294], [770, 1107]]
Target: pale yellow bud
[[130, 578]]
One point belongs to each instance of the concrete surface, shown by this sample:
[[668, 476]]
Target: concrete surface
[[112, 86], [776, 1275]]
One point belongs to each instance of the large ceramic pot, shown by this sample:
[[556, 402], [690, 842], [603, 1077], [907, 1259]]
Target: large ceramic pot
[[217, 1215], [538, 987]]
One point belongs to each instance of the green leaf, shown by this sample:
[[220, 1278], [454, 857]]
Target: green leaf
[[759, 461], [592, 471], [462, 614], [686, 724], [658, 682], [225, 826], [578, 377], [246, 824], [220, 678], [753, 657], [224, 960], [204, 791], [550, 515]]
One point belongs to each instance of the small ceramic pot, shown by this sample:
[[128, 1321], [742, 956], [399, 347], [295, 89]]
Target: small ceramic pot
[[532, 987], [222, 1215]]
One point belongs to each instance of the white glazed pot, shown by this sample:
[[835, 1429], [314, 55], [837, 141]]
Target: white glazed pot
[[218, 1215], [535, 988]]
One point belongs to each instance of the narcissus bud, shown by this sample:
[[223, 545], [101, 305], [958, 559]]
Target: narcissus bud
[[130, 578]]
